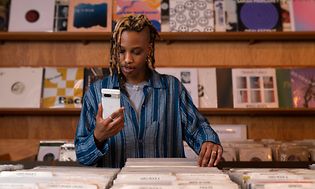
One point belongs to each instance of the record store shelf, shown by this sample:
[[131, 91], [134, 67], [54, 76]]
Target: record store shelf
[[164, 36], [204, 111]]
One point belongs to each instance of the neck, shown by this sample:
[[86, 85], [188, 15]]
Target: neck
[[138, 80]]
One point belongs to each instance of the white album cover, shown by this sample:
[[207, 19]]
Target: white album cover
[[231, 132], [254, 88], [191, 16], [20, 87], [188, 77], [32, 15], [207, 88]]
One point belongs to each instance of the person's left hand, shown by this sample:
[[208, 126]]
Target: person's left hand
[[210, 154]]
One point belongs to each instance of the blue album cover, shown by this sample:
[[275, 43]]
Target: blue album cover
[[88, 15], [258, 15]]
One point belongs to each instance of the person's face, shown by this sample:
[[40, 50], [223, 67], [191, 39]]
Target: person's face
[[134, 50]]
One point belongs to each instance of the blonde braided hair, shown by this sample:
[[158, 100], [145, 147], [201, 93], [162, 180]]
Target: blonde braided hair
[[130, 23]]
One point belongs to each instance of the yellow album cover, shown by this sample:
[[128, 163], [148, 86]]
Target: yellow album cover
[[63, 87]]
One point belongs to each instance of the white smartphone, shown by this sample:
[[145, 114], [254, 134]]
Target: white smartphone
[[110, 101]]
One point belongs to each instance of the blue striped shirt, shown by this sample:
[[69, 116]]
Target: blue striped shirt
[[167, 117]]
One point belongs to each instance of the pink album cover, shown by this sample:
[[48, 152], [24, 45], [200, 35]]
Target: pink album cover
[[303, 87], [149, 8], [303, 14]]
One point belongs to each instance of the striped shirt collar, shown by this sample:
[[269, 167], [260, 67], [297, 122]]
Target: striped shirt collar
[[155, 81]]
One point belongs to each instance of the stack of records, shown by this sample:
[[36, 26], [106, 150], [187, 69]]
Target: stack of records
[[170, 173], [58, 177]]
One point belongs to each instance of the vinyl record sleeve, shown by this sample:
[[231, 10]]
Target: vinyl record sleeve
[[188, 77], [90, 16], [152, 9], [63, 87], [303, 87], [20, 87], [302, 15], [191, 16], [259, 15], [35, 15], [207, 88], [254, 88]]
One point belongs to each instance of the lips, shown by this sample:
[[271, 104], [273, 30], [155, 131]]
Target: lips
[[127, 69]]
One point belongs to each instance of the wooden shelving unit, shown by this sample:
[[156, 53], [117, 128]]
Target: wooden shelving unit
[[164, 36], [204, 111], [216, 49]]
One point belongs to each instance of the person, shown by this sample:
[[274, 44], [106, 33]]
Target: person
[[156, 114]]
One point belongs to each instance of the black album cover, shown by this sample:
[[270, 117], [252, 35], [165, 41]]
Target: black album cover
[[224, 87], [61, 15], [93, 74], [259, 15]]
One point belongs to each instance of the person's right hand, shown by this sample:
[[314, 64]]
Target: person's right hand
[[108, 127]]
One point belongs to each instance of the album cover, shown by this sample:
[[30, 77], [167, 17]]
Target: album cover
[[49, 150], [224, 87], [35, 15], [93, 74], [293, 153], [259, 15], [220, 17], [61, 15], [229, 154], [165, 15], [20, 87], [231, 16], [284, 87], [192, 16], [302, 15], [285, 14], [90, 16], [63, 87], [255, 154], [303, 87], [231, 132], [207, 88], [188, 77], [254, 88], [152, 9], [4, 14]]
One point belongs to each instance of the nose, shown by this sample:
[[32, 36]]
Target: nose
[[128, 58]]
